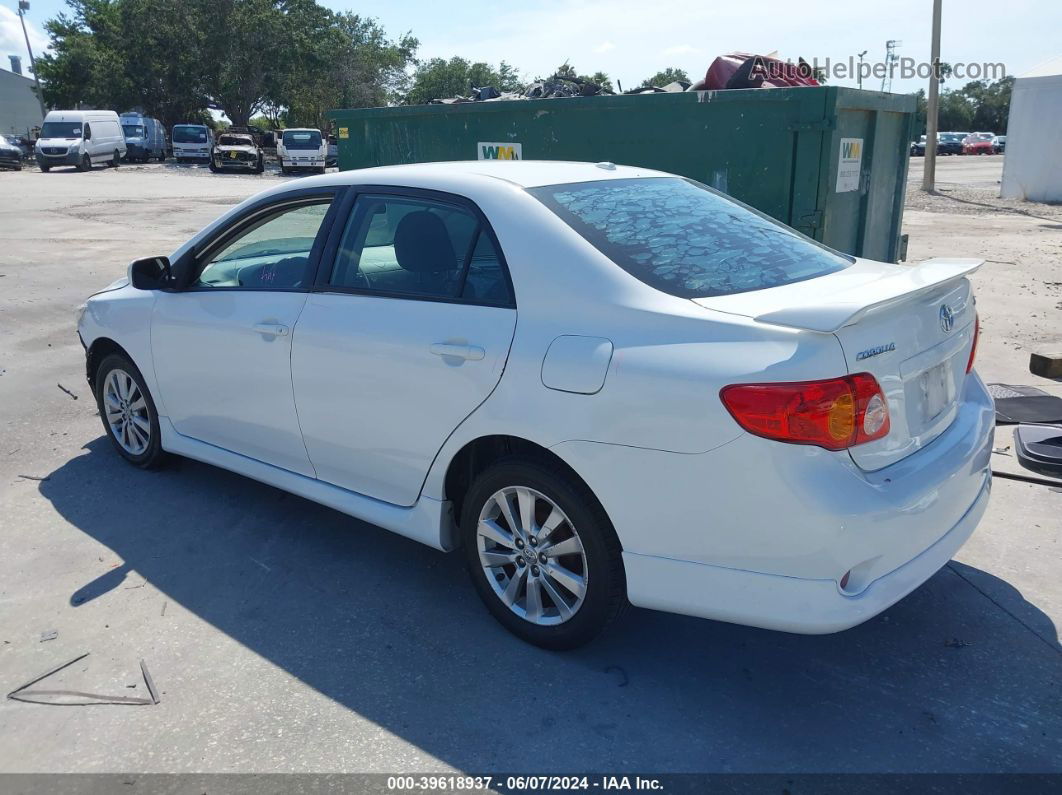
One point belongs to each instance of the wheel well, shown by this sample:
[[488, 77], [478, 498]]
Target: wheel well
[[480, 453], [97, 352]]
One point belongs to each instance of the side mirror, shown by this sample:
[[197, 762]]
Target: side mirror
[[150, 273]]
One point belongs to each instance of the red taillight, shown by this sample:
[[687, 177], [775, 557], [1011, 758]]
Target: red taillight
[[976, 336], [836, 413]]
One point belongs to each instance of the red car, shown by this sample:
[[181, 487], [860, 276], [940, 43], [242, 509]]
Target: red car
[[979, 144]]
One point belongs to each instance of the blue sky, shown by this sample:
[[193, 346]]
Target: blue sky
[[631, 40]]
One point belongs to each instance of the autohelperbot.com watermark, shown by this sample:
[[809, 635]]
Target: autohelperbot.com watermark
[[852, 68]]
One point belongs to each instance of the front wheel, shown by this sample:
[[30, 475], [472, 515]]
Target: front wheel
[[45, 168], [85, 164], [260, 168], [128, 412], [117, 159], [542, 554]]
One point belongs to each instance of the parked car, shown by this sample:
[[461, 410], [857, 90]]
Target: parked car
[[145, 138], [191, 142], [10, 154], [950, 143], [999, 144], [80, 138], [979, 144], [236, 150], [300, 149], [918, 148], [714, 416]]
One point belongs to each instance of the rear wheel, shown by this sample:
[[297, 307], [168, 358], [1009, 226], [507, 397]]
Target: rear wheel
[[117, 159], [542, 554], [128, 412]]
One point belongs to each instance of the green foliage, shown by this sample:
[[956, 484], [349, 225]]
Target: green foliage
[[175, 59], [979, 106], [439, 78], [669, 75]]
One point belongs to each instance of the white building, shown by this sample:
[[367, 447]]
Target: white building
[[1032, 169], [19, 109]]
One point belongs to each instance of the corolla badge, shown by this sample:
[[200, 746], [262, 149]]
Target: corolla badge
[[875, 351], [947, 317]]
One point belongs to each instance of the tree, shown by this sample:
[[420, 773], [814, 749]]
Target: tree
[[439, 78], [666, 76], [955, 112]]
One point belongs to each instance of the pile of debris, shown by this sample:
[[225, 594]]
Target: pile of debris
[[731, 71]]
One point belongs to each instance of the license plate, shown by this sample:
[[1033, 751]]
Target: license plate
[[937, 389], [232, 155]]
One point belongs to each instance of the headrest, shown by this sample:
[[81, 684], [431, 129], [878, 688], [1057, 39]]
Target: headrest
[[422, 244]]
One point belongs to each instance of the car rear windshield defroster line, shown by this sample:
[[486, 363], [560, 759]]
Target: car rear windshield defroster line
[[686, 239]]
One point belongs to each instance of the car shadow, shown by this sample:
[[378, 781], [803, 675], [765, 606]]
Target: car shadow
[[962, 675]]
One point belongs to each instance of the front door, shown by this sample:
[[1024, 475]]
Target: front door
[[402, 339], [222, 347]]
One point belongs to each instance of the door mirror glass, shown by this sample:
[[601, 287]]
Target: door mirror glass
[[150, 273]]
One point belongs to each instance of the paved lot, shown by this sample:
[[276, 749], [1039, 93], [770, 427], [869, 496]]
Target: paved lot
[[286, 637]]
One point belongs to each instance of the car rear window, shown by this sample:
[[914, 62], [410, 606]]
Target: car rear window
[[687, 239]]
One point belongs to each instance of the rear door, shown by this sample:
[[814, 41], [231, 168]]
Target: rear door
[[403, 337]]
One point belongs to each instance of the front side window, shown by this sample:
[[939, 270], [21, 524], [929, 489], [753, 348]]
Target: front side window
[[421, 248], [273, 252], [685, 238]]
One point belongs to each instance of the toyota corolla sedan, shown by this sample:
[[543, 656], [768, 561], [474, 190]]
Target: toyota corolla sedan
[[602, 384]]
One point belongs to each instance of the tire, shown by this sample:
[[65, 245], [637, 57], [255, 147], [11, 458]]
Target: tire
[[139, 411], [592, 558], [285, 170], [260, 168], [117, 159], [46, 169], [85, 164], [322, 170], [213, 167]]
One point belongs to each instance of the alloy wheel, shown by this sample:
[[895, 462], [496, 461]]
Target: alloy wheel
[[532, 556], [127, 412]]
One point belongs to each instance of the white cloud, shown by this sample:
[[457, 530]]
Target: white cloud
[[604, 47], [13, 43], [679, 49]]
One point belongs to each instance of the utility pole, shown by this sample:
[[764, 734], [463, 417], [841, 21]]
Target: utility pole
[[23, 7], [860, 75], [929, 174]]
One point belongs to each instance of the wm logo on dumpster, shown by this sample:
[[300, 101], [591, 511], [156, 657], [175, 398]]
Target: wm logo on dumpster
[[499, 151], [851, 148]]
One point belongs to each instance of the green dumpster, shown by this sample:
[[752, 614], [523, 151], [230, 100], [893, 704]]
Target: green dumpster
[[829, 161]]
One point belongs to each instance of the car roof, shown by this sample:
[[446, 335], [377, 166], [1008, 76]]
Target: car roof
[[524, 173]]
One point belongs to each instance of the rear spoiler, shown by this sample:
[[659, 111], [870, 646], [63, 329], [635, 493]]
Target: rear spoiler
[[835, 311]]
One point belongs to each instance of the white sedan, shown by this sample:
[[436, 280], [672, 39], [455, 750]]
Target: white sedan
[[604, 384]]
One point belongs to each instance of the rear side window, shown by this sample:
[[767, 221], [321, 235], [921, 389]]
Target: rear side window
[[407, 246], [687, 239]]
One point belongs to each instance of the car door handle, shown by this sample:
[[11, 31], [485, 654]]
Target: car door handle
[[471, 352], [272, 329]]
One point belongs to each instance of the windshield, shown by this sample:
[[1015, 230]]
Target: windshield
[[303, 139], [61, 129], [189, 134], [687, 239], [133, 130], [234, 140]]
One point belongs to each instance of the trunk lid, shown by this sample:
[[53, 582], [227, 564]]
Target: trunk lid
[[911, 327]]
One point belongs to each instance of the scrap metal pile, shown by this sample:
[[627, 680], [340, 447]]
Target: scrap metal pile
[[730, 71]]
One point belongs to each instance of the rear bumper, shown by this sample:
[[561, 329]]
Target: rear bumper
[[789, 604]]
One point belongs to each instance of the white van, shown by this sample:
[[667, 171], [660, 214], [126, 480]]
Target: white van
[[80, 138], [191, 142], [301, 147]]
